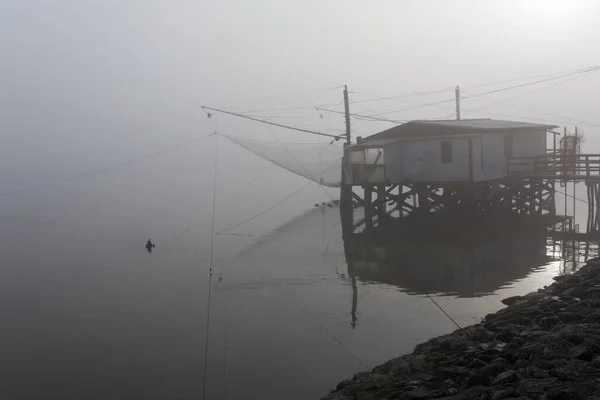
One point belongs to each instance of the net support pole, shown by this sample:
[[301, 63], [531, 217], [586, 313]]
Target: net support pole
[[347, 115]]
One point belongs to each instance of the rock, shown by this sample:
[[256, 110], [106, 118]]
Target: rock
[[571, 370], [561, 278], [415, 394], [343, 384], [593, 317], [505, 337], [596, 362], [570, 317], [549, 353], [488, 373], [527, 350], [489, 317], [550, 321], [521, 364], [512, 346], [500, 360], [476, 364], [538, 333], [574, 338], [538, 373], [511, 300], [453, 372], [482, 335], [591, 303], [503, 393], [505, 377], [534, 387], [469, 393], [575, 291], [581, 352], [489, 354]]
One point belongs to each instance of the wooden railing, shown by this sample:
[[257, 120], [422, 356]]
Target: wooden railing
[[556, 165]]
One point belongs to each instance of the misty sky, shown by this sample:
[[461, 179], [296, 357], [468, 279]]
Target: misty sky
[[86, 84], [142, 68]]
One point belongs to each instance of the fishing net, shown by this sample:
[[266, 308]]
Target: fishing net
[[319, 162]]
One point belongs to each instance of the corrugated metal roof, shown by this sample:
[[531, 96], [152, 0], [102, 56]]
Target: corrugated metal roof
[[434, 128]]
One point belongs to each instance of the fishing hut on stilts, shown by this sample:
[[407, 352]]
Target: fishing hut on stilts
[[458, 167]]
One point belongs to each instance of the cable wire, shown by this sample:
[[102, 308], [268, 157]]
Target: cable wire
[[270, 123], [210, 270], [230, 198], [447, 89], [535, 91], [579, 72], [265, 211], [102, 170], [275, 205], [303, 92]]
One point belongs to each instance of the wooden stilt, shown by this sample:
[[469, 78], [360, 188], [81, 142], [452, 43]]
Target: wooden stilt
[[368, 206], [381, 204]]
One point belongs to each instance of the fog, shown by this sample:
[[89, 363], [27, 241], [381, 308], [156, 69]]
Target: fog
[[87, 84], [99, 85]]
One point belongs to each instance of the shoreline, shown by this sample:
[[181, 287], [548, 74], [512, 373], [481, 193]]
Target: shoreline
[[544, 345]]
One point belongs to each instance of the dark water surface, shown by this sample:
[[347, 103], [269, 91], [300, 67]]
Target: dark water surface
[[89, 314]]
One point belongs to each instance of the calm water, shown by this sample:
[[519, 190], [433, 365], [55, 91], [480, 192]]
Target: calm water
[[85, 312], [91, 315]]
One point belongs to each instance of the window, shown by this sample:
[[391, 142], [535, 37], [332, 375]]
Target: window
[[446, 152], [508, 146]]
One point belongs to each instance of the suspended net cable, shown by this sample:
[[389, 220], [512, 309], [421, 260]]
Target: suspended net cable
[[313, 178], [321, 163]]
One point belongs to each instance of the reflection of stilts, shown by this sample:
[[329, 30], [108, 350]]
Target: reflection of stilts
[[354, 301], [593, 195], [572, 248], [352, 275]]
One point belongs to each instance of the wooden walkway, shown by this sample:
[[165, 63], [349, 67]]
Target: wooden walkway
[[556, 166], [564, 168]]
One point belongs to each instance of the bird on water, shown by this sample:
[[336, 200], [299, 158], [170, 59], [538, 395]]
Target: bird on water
[[150, 246]]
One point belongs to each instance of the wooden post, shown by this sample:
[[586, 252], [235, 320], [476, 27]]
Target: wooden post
[[347, 115], [400, 200], [457, 99], [470, 159], [346, 206], [590, 196], [531, 198], [369, 206], [381, 204], [596, 188]]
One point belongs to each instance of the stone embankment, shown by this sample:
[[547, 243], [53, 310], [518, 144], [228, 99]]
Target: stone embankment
[[545, 345]]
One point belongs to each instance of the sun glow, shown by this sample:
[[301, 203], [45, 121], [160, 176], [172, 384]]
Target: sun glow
[[549, 11]]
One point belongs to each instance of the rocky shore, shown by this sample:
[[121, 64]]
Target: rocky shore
[[545, 345]]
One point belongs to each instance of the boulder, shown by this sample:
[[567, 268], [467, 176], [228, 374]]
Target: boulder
[[505, 377]]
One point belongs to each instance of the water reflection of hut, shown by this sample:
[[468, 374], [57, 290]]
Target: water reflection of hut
[[454, 261]]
